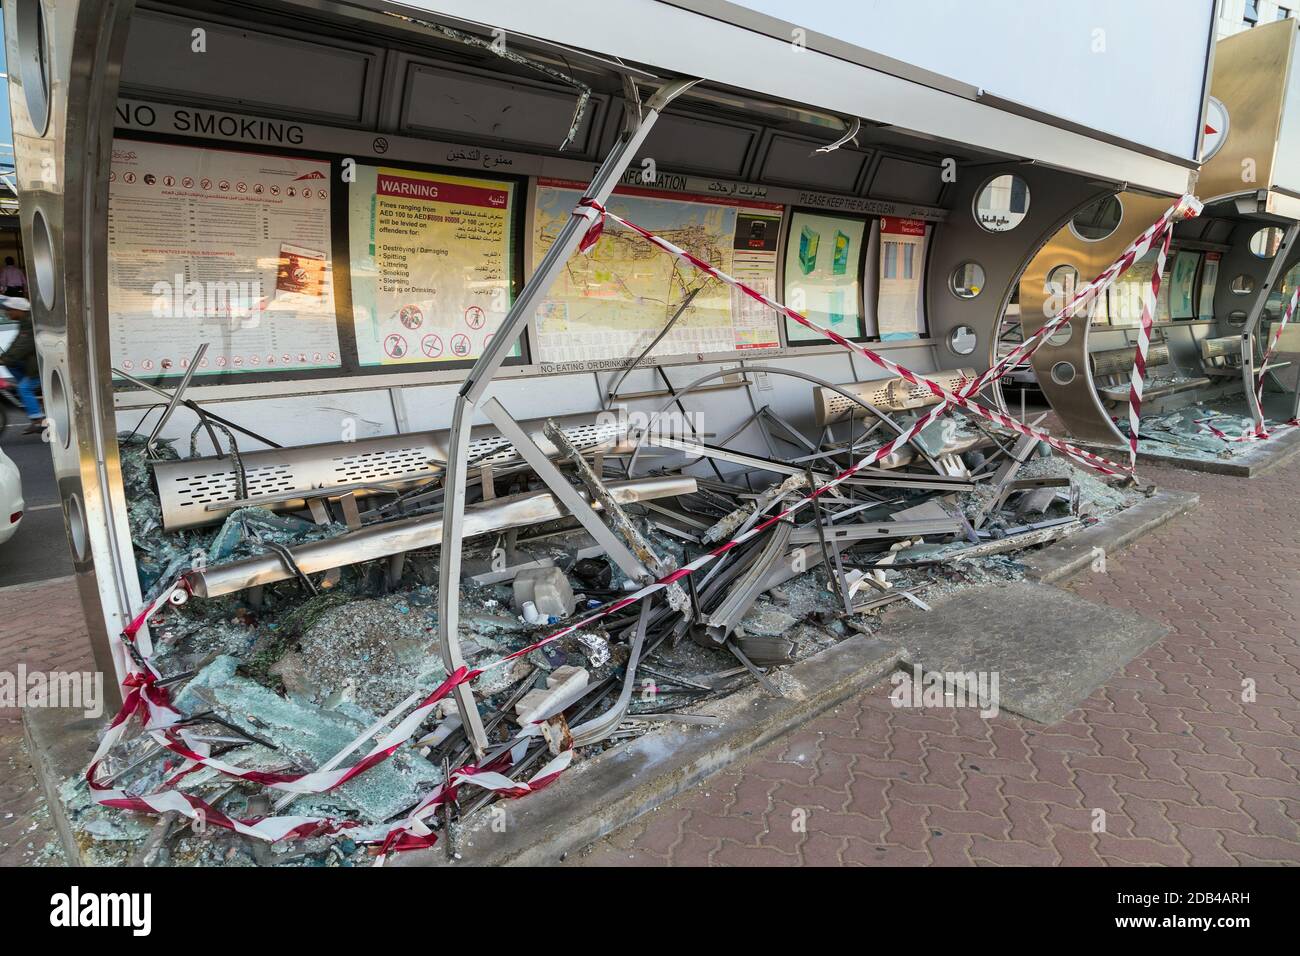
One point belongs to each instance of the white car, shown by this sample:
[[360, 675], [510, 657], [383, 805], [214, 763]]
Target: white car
[[11, 497]]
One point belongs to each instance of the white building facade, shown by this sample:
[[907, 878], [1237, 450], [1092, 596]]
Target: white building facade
[[1238, 15]]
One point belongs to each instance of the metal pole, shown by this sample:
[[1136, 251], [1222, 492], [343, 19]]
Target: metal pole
[[1252, 323], [175, 399], [480, 376]]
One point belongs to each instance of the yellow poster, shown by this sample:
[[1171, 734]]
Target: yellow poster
[[431, 258]]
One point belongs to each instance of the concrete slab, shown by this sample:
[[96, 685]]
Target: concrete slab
[[1049, 648], [1081, 549]]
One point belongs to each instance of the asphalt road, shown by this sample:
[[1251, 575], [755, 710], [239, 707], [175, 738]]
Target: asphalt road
[[39, 551]]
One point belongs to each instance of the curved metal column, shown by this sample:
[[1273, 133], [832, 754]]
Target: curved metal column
[[1276, 270], [67, 54], [1062, 366], [1054, 196]]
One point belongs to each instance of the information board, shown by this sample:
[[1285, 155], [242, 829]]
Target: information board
[[612, 301], [898, 301], [223, 247], [823, 269], [431, 257]]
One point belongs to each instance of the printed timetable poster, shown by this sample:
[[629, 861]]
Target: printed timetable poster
[[611, 302], [823, 263], [223, 247], [898, 300], [431, 258]]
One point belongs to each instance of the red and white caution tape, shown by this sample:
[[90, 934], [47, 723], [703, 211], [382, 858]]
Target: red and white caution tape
[[1257, 431], [1268, 354], [1137, 377], [1188, 207], [597, 214], [1254, 433]]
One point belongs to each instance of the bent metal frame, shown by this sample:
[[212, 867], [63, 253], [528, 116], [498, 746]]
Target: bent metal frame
[[476, 384]]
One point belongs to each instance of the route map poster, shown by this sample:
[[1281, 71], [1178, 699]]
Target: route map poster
[[431, 258], [223, 247], [611, 302]]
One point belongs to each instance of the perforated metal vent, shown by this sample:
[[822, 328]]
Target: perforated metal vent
[[888, 394], [1120, 361], [380, 465], [904, 394], [189, 488], [222, 486]]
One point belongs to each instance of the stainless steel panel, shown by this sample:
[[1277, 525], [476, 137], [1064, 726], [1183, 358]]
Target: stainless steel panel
[[188, 488]]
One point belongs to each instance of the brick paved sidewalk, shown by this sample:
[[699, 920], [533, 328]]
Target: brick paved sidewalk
[[41, 625], [1186, 772]]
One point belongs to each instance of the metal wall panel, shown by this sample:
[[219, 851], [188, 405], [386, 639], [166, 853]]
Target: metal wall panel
[[476, 106], [251, 69], [794, 161], [903, 179], [694, 145]]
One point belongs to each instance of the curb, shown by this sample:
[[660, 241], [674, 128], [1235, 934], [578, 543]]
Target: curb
[[611, 790], [1078, 551]]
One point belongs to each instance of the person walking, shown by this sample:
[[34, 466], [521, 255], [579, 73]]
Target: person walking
[[20, 359], [12, 279]]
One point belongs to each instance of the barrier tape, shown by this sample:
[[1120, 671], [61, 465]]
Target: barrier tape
[[1268, 354], [1137, 377], [596, 214], [144, 696], [1188, 207], [1255, 434], [1257, 431]]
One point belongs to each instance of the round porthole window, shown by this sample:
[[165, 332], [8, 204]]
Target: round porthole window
[[1002, 204], [1097, 220], [1063, 373], [1062, 335], [1242, 285], [56, 407], [962, 340], [1060, 286], [1265, 242], [33, 62], [43, 259], [967, 280], [77, 530]]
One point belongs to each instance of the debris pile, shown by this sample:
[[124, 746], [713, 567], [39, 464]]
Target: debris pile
[[302, 669]]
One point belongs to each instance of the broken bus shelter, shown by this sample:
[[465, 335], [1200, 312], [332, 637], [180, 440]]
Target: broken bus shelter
[[900, 205]]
